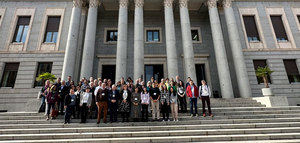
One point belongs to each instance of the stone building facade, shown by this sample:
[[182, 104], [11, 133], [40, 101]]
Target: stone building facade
[[213, 40]]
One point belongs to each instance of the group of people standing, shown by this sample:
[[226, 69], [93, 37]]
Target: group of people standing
[[95, 98]]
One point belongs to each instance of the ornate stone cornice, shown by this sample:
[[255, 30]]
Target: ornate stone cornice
[[77, 3], [183, 3], [212, 3], [94, 3], [123, 3], [168, 3], [226, 3], [138, 3]]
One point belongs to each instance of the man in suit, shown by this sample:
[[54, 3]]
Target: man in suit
[[113, 99]]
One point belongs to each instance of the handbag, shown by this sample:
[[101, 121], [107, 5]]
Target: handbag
[[54, 112]]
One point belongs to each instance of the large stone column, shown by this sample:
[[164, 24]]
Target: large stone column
[[172, 61], [89, 40], [237, 53], [187, 43], [220, 52], [138, 39], [72, 41], [121, 59]]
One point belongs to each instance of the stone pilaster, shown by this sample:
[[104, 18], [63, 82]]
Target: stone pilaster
[[237, 53], [220, 52], [121, 56], [72, 40], [187, 43], [89, 41], [138, 39], [172, 60]]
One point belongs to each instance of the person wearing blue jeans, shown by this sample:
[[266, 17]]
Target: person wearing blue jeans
[[192, 93]]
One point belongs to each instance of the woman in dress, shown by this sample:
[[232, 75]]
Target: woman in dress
[[136, 105], [124, 105], [182, 97], [165, 104]]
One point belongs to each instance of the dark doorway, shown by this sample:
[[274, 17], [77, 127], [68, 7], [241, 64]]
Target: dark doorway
[[109, 72], [200, 73], [156, 71]]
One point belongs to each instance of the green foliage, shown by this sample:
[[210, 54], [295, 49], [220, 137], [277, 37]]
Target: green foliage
[[46, 76], [263, 71]]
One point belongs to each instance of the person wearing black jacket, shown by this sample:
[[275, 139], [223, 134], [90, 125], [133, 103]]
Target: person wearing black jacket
[[101, 101], [70, 102], [113, 100], [124, 103], [63, 91]]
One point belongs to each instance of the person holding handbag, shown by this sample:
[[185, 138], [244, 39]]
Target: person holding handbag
[[205, 93], [52, 98], [42, 95]]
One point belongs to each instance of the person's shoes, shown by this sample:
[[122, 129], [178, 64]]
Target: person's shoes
[[98, 122], [168, 120], [163, 120], [204, 115], [65, 122], [196, 115], [211, 115], [191, 115], [176, 120], [47, 118]]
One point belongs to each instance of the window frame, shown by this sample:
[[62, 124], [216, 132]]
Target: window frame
[[10, 46], [105, 35], [290, 44], [52, 33], [17, 28], [249, 11], [296, 13], [48, 46], [295, 62], [159, 29], [199, 34], [37, 69], [3, 73], [2, 14]]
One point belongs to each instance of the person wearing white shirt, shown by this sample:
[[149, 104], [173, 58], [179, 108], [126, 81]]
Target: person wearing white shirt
[[204, 94], [85, 103]]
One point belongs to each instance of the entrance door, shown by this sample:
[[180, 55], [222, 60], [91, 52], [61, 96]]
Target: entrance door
[[109, 72], [156, 71], [200, 72]]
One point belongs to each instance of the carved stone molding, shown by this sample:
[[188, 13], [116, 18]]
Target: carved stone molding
[[77, 3], [123, 3], [168, 3], [212, 3], [94, 3], [226, 3], [138, 3], [183, 3]]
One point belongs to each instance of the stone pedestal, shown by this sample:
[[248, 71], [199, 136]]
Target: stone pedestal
[[273, 101]]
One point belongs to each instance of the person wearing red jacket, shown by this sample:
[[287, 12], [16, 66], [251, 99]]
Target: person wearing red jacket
[[192, 93]]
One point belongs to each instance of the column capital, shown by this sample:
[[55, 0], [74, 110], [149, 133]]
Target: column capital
[[77, 3], [94, 3], [183, 3], [226, 3], [138, 3], [123, 3], [168, 3], [212, 3]]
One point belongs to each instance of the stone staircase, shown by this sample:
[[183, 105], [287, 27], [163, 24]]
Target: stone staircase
[[235, 120]]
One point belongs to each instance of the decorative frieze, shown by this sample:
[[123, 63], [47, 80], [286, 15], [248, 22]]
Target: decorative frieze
[[94, 3], [183, 3], [226, 3], [123, 3], [77, 3], [212, 4], [139, 3], [168, 3]]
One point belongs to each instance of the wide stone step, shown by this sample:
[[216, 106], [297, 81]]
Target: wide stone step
[[148, 133], [84, 129], [263, 141], [200, 138]]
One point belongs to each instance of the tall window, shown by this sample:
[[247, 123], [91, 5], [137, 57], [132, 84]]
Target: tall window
[[291, 70], [251, 28], [112, 35], [279, 28], [43, 67], [195, 35], [261, 63], [298, 16], [21, 29], [52, 29], [153, 36], [9, 74]]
